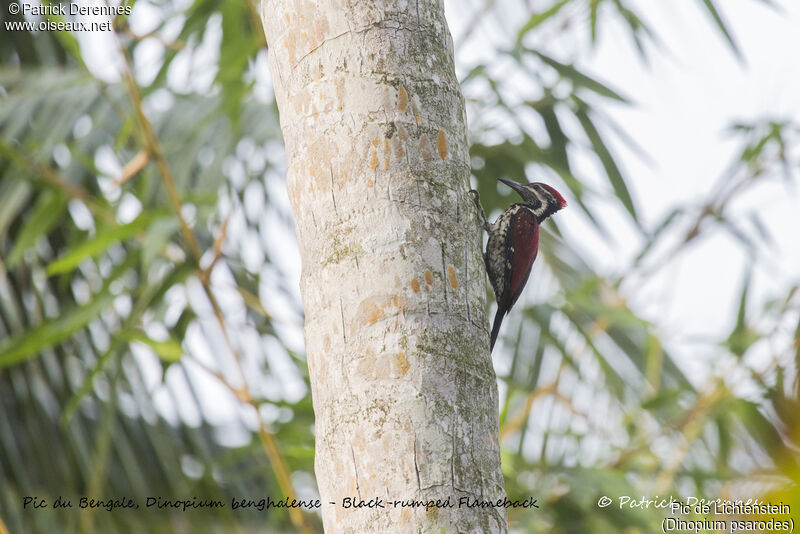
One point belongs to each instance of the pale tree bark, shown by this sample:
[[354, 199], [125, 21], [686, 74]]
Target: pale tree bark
[[393, 282]]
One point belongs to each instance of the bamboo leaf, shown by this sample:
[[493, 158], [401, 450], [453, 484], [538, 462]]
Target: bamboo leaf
[[170, 351], [48, 210], [149, 295], [749, 245], [558, 139], [742, 336], [665, 400], [654, 235], [637, 27], [759, 427], [578, 190], [725, 438], [65, 38], [158, 235], [32, 342], [13, 197], [715, 14], [612, 170], [538, 18], [580, 79], [593, 5], [101, 241]]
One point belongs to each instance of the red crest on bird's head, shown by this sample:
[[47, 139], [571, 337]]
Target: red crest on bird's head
[[559, 199]]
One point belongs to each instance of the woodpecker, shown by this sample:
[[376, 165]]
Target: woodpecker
[[514, 242]]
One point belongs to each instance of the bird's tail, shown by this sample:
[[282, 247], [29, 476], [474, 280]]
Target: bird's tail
[[498, 320]]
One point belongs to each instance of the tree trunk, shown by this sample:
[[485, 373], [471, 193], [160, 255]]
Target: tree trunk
[[393, 282]]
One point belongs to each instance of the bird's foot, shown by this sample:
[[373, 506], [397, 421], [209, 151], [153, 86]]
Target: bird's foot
[[476, 199]]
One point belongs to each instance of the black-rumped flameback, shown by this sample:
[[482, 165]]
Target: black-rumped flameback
[[514, 243]]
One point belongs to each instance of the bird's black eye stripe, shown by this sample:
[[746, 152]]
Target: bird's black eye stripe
[[538, 195], [549, 197]]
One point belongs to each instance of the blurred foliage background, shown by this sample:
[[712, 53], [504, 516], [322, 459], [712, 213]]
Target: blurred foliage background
[[150, 323]]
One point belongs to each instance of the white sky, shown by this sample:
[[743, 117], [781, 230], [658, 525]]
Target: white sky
[[692, 91], [686, 103]]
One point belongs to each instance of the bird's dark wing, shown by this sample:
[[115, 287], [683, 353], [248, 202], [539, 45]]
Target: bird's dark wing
[[521, 246], [523, 236]]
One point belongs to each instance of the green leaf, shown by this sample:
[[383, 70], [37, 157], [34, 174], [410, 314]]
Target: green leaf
[[101, 241], [742, 336], [654, 235], [148, 296], [538, 18], [750, 247], [238, 48], [797, 349], [558, 139], [715, 14], [88, 383], [13, 196], [67, 40], [31, 342], [593, 5], [158, 235], [580, 79], [169, 351], [759, 427], [48, 210], [607, 160], [667, 399], [725, 438], [637, 27], [613, 380], [478, 71]]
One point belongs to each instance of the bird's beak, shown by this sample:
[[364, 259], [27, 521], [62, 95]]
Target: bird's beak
[[513, 185]]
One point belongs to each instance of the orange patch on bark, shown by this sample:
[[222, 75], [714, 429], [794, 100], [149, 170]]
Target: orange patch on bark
[[373, 162], [291, 46], [441, 144], [339, 83], [369, 312], [428, 277], [301, 102], [402, 133], [366, 368], [326, 343], [452, 276], [402, 363], [402, 99], [373, 309], [388, 150], [399, 140], [399, 151], [316, 74], [425, 148], [415, 284]]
